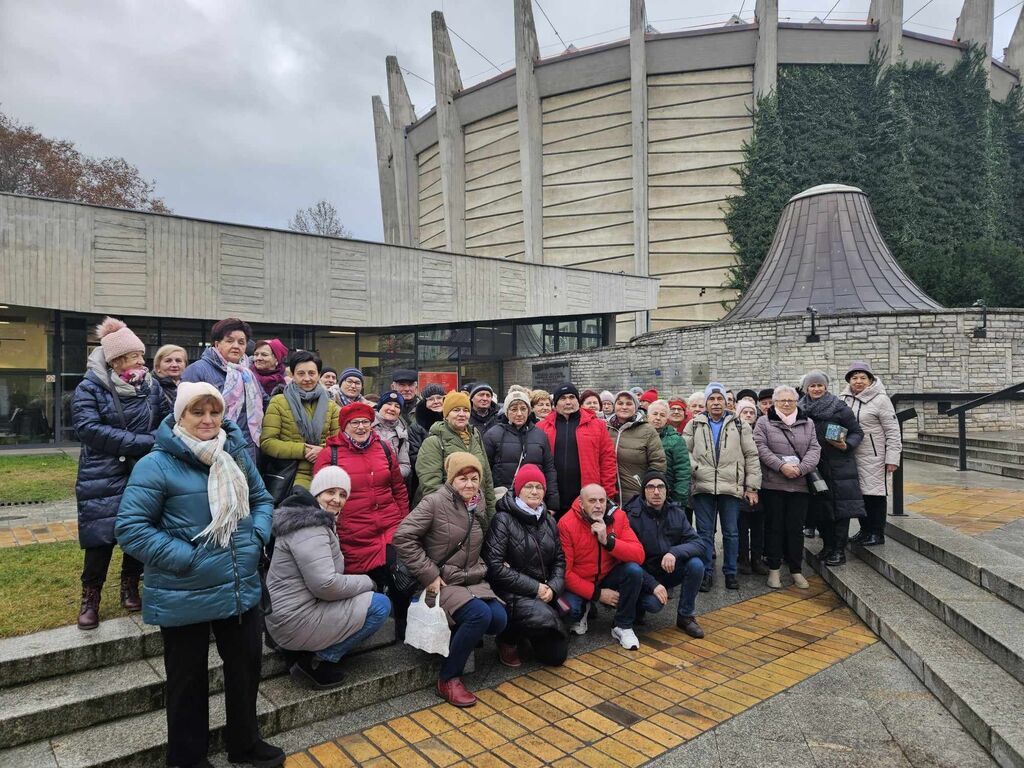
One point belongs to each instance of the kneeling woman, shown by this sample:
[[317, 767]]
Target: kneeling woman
[[448, 525], [317, 608], [526, 566]]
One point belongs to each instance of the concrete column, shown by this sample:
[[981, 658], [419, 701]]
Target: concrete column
[[531, 161], [385, 171], [766, 57], [638, 97], [1013, 54], [406, 191], [888, 16], [450, 139], [975, 25]]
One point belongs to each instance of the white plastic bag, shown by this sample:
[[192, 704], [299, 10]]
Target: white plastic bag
[[426, 627]]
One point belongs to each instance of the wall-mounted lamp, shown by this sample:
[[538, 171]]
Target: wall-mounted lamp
[[981, 331], [813, 337]]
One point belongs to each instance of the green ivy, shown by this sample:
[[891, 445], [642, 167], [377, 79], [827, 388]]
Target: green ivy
[[941, 162]]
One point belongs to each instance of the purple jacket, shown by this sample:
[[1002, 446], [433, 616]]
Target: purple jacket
[[770, 436]]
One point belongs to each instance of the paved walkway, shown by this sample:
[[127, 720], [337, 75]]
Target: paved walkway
[[971, 502]]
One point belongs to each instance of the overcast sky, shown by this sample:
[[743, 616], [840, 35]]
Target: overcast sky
[[245, 110]]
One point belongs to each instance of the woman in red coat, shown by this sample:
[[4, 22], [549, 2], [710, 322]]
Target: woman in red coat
[[377, 503]]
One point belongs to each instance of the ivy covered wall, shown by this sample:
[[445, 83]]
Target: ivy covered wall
[[941, 162]]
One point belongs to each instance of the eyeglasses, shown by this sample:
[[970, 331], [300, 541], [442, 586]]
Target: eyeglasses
[[660, 488], [533, 487], [785, 402], [360, 423]]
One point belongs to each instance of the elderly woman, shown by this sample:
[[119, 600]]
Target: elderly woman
[[448, 526], [225, 365], [115, 410], [514, 442], [638, 448], [677, 457], [526, 567], [448, 436], [168, 363], [195, 512], [349, 388], [878, 455], [696, 404], [591, 400], [300, 420], [540, 402], [677, 414], [838, 434], [319, 610], [789, 451], [389, 427], [268, 363], [751, 521]]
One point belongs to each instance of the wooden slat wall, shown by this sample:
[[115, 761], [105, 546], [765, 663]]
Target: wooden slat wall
[[697, 123], [494, 195], [432, 232]]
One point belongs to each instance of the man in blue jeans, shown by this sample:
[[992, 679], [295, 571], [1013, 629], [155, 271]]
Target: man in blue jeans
[[725, 467], [674, 552]]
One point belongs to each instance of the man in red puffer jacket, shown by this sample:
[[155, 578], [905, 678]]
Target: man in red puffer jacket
[[603, 562]]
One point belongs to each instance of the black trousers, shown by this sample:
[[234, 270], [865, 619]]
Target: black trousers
[[876, 507], [785, 513], [751, 528], [239, 643], [384, 582], [549, 647], [97, 562]]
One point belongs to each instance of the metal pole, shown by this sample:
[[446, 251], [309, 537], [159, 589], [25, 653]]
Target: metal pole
[[961, 430]]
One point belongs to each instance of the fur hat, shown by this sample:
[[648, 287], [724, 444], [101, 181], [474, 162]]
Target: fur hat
[[331, 476], [528, 473], [117, 339], [516, 396], [459, 462], [455, 400], [190, 391]]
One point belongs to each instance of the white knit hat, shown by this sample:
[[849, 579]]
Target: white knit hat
[[331, 476], [117, 339], [190, 391], [514, 395]]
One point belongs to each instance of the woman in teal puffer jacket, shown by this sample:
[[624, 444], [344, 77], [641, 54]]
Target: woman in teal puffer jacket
[[197, 515]]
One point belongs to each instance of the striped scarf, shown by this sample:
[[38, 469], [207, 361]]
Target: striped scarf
[[227, 489]]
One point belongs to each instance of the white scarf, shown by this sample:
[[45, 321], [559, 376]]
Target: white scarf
[[227, 488]]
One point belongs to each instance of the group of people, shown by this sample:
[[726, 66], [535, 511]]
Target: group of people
[[266, 496]]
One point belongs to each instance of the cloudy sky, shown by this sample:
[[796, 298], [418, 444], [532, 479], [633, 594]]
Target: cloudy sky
[[245, 110]]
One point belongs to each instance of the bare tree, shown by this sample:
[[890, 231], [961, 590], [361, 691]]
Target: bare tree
[[319, 219]]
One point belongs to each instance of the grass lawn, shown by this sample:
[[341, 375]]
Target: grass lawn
[[37, 478], [41, 588]]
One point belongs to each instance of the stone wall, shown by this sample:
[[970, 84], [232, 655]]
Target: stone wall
[[932, 352]]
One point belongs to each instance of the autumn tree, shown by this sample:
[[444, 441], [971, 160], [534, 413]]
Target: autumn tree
[[33, 164], [319, 219]]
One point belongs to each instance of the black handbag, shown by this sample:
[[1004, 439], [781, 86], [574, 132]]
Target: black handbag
[[402, 578], [278, 476], [816, 484]]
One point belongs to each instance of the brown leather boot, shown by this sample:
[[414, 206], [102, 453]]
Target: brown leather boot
[[509, 655], [454, 692], [130, 599], [89, 613]]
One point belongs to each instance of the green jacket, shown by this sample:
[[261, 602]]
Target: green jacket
[[637, 449], [440, 443], [678, 459], [281, 439]]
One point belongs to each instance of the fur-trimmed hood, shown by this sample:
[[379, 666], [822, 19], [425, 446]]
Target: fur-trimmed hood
[[298, 511]]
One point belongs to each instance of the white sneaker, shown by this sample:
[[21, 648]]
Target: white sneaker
[[800, 582], [626, 637], [580, 627]]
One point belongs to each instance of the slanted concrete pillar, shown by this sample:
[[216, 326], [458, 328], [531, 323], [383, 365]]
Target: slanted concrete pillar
[[888, 16], [385, 171], [1013, 54], [638, 96], [531, 162], [975, 25], [406, 191], [450, 139], [766, 57]]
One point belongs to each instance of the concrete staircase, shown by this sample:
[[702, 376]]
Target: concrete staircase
[[994, 453], [71, 699], [952, 608]]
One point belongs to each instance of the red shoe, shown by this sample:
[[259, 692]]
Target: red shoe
[[455, 693], [509, 655]]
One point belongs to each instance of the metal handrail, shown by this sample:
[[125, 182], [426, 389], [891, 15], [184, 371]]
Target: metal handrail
[[1009, 393]]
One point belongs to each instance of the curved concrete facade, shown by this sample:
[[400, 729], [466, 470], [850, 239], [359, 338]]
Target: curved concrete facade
[[619, 158]]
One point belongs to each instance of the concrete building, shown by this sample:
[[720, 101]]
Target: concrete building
[[63, 266], [620, 157]]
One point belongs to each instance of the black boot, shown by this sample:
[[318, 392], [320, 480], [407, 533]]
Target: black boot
[[261, 754], [757, 563], [707, 582], [744, 567], [872, 540], [836, 557], [317, 672]]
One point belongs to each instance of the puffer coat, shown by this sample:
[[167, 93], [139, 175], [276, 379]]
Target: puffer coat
[[509, 447], [838, 468], [522, 552], [164, 508], [677, 458], [660, 532], [110, 448], [210, 369], [882, 442], [770, 436], [430, 533], [281, 438], [442, 442], [637, 450], [377, 503], [733, 468], [315, 603]]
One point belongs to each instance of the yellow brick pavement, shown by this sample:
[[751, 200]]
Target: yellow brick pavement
[[40, 533], [968, 510]]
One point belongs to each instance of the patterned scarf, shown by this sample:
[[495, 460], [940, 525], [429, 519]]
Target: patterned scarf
[[226, 489], [242, 389]]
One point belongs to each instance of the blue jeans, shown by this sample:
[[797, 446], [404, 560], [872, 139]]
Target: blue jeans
[[625, 578], [688, 575], [376, 615], [705, 506], [472, 621]]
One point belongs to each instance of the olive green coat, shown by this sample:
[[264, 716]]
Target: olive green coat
[[637, 450], [440, 443], [281, 438]]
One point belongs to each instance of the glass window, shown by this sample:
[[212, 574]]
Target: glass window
[[26, 408], [586, 342], [337, 348], [570, 326], [529, 340], [193, 335], [567, 343], [591, 325]]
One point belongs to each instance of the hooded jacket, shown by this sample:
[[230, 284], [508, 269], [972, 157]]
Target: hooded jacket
[[586, 561], [280, 436], [209, 368], [660, 532], [315, 604], [733, 468], [595, 454], [164, 508], [838, 468], [443, 441], [882, 442], [775, 439], [509, 447], [637, 449]]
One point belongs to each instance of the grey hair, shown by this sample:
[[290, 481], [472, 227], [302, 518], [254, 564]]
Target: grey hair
[[694, 397], [782, 389], [658, 403]]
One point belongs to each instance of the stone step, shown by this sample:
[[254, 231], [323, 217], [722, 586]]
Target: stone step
[[987, 622], [995, 455], [1011, 441], [981, 695], [140, 740], [950, 460], [981, 563]]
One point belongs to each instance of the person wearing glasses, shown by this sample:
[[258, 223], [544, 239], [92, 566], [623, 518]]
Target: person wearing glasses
[[673, 552]]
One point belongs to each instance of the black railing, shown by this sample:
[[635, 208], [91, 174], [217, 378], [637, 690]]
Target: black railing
[[1009, 393]]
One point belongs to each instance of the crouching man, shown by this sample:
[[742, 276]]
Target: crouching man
[[602, 563], [673, 551]]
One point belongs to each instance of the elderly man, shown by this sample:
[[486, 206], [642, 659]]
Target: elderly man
[[602, 563], [485, 411], [725, 469], [673, 551], [405, 382]]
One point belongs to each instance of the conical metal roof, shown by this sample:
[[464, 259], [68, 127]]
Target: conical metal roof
[[828, 253]]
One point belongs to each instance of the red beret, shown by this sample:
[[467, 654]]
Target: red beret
[[528, 473], [355, 411], [649, 396]]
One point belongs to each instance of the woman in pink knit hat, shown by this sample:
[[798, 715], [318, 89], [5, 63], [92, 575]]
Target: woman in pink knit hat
[[115, 411]]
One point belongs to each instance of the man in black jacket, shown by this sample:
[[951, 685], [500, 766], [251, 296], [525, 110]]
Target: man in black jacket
[[673, 551]]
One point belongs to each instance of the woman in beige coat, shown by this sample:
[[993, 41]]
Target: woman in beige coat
[[638, 447], [448, 526]]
